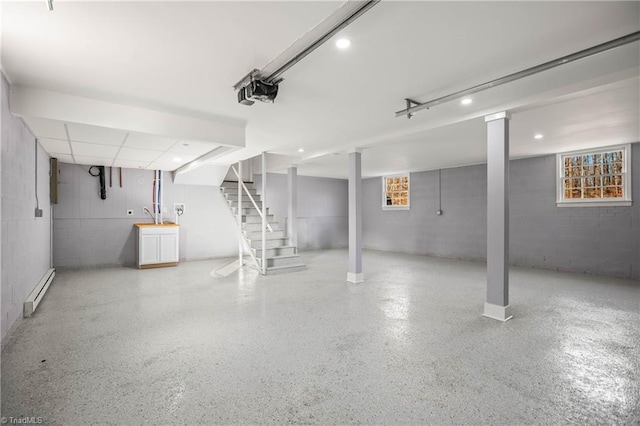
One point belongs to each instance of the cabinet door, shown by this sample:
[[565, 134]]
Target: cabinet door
[[149, 249], [168, 248]]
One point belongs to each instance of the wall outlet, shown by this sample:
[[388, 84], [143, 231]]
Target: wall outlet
[[129, 212]]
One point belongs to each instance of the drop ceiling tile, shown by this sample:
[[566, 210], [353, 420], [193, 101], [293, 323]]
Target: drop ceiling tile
[[44, 128], [55, 146], [145, 141], [63, 158], [95, 134], [140, 155], [94, 150], [130, 164], [92, 161], [192, 147]]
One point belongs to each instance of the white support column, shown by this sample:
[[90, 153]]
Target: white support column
[[497, 304], [292, 224], [240, 245], [264, 212], [355, 274]]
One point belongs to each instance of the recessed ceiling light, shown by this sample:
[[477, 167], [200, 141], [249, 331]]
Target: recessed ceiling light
[[177, 159], [466, 101], [538, 136], [301, 150], [343, 43]]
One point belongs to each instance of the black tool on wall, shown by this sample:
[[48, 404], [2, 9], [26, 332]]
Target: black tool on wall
[[100, 174]]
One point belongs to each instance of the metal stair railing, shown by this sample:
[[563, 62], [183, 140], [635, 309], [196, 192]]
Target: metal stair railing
[[251, 198], [262, 266]]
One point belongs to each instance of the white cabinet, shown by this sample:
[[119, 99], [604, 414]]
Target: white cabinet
[[157, 245]]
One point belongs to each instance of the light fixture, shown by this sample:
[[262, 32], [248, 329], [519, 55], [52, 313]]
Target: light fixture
[[185, 144], [177, 159], [301, 150], [50, 5], [466, 101], [538, 136], [343, 43]]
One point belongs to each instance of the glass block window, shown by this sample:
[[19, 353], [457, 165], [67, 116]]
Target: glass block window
[[595, 176], [395, 192]]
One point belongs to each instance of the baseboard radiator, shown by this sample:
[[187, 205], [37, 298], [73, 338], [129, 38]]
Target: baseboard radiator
[[37, 294]]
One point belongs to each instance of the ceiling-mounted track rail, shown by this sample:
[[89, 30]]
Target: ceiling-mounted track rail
[[365, 6], [418, 106]]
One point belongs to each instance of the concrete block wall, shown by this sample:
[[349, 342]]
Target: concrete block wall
[[26, 240], [460, 232], [599, 240], [322, 209], [89, 231]]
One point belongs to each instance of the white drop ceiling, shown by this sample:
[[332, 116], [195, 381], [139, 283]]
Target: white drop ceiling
[[183, 58], [95, 145]]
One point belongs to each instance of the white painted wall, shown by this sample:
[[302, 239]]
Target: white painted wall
[[89, 231], [26, 244]]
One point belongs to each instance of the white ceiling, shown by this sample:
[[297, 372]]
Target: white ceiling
[[102, 146], [184, 57]]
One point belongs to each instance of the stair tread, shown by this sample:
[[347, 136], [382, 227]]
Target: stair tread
[[295, 265], [280, 247], [282, 256], [269, 239]]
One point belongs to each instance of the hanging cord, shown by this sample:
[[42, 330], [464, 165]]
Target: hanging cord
[[91, 173], [439, 211], [100, 175], [179, 212], [159, 192], [440, 189], [36, 173], [153, 197], [146, 210]]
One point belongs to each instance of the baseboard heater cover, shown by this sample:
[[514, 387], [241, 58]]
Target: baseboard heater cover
[[37, 294]]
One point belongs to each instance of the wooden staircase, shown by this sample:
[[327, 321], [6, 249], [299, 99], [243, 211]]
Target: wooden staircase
[[281, 257]]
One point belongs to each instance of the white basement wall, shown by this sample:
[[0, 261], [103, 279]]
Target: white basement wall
[[89, 231], [26, 240]]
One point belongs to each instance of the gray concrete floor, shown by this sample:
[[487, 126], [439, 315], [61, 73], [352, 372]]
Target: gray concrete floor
[[409, 345]]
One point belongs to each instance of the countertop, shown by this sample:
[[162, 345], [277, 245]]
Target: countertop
[[149, 224]]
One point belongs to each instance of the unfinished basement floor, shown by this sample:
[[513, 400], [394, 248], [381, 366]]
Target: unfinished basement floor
[[409, 345]]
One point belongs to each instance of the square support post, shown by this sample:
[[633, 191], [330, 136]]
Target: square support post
[[355, 274], [497, 304], [263, 263], [240, 245], [292, 211]]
